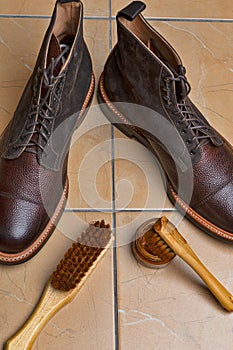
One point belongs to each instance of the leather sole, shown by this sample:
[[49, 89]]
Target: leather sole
[[120, 121], [34, 248]]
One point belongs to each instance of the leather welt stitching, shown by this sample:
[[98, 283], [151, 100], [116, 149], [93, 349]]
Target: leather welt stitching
[[13, 196], [198, 205], [197, 217]]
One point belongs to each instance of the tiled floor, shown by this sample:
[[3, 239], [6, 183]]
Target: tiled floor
[[123, 305]]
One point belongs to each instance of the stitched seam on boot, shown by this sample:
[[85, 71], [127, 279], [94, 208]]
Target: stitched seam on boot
[[200, 219], [203, 201], [12, 196]]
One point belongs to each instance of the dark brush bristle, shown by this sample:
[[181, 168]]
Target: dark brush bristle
[[81, 256]]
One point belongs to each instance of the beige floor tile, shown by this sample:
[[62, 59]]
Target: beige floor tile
[[90, 158], [28, 7], [96, 35], [171, 308], [96, 8], [168, 308], [179, 8], [138, 177], [209, 69], [87, 323], [45, 7], [90, 163], [20, 42]]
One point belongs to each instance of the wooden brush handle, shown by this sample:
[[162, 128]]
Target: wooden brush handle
[[219, 291], [179, 245], [51, 301]]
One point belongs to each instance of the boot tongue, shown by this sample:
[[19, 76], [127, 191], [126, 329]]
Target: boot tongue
[[181, 89], [56, 57], [54, 51], [152, 45], [56, 48]]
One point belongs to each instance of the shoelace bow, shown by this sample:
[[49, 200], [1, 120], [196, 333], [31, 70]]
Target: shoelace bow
[[43, 108], [201, 130]]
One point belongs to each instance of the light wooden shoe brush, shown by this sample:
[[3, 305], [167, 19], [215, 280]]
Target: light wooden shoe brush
[[64, 284], [156, 244]]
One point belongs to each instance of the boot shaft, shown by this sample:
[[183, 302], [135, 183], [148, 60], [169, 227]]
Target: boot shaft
[[146, 70], [56, 89]]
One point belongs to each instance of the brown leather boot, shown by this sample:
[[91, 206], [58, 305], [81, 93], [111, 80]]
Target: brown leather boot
[[144, 70], [35, 144]]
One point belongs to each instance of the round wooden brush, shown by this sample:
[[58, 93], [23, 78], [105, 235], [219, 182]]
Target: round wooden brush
[[65, 282], [157, 243]]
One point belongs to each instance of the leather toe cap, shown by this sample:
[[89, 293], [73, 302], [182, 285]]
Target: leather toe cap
[[20, 223], [218, 208]]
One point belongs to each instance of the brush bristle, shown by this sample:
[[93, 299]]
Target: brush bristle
[[155, 245], [81, 256], [149, 248]]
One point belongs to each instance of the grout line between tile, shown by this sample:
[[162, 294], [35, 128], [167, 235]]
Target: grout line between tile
[[110, 25], [25, 16], [115, 271], [186, 19], [112, 18], [49, 17], [115, 276], [88, 210], [146, 210], [119, 210]]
